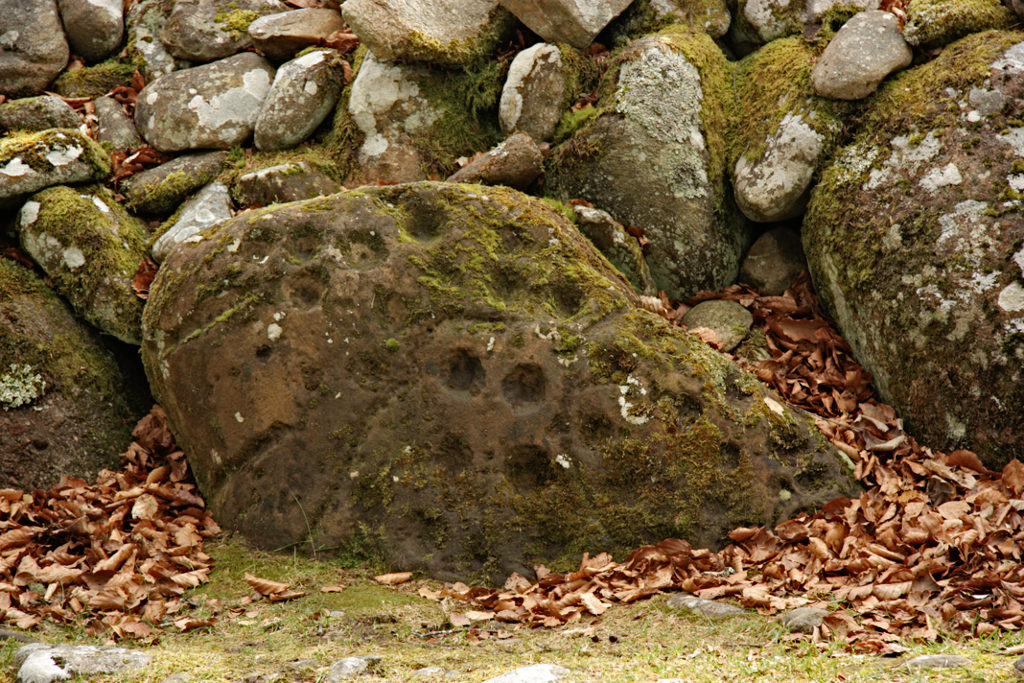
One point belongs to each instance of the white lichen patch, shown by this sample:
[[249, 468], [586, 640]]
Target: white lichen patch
[[378, 88], [1011, 299], [274, 331], [62, 156], [767, 17], [29, 214], [632, 387], [238, 417], [941, 177], [72, 257], [15, 168], [563, 460], [20, 386], [100, 204], [906, 158]]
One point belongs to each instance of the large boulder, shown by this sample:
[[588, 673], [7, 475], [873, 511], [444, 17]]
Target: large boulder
[[913, 237], [67, 406], [652, 154], [451, 377]]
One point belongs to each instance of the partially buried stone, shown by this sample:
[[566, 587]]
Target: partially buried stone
[[279, 36], [42, 663], [620, 248], [535, 673], [803, 619], [708, 608], [728, 322], [113, 125], [936, 662], [209, 207], [351, 666], [162, 189], [32, 161], [282, 183], [516, 162], [534, 93], [773, 262]]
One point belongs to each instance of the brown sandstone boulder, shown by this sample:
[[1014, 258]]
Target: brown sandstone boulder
[[449, 377]]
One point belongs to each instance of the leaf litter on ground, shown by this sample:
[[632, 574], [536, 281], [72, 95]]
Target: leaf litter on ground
[[933, 543]]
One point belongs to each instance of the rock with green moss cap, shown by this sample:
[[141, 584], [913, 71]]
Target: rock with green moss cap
[[445, 32], [96, 80], [205, 30], [920, 261], [66, 408], [414, 121], [32, 161], [653, 156], [782, 132], [90, 248], [161, 189], [451, 376], [934, 23]]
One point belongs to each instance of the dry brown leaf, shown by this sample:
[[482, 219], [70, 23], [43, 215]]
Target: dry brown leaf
[[265, 586], [331, 589], [394, 578]]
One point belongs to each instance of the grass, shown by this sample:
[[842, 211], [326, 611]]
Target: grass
[[298, 640]]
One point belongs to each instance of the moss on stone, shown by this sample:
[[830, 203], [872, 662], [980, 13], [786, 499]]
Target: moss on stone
[[236, 21], [33, 147], [95, 81], [934, 23]]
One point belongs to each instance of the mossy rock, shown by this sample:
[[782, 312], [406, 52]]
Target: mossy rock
[[94, 81], [652, 153], [451, 377], [934, 23], [90, 248], [914, 238], [644, 17], [67, 406]]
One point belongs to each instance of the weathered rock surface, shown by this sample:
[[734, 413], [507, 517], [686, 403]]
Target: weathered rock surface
[[209, 106], [454, 378], [67, 407], [280, 36], [90, 248], [32, 161], [516, 162], [282, 183], [42, 663], [94, 27], [414, 122], [643, 17], [534, 95], [724, 323], [576, 22], [803, 619], [865, 50], [205, 30], [144, 23], [712, 609], [303, 93], [38, 113], [650, 160], [33, 49], [936, 662], [534, 673], [210, 206], [773, 262], [163, 188], [919, 262], [445, 32], [933, 23]]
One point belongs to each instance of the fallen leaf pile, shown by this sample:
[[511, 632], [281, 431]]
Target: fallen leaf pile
[[933, 544], [114, 556]]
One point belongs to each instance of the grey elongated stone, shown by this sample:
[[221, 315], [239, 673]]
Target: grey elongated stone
[[535, 673], [94, 27], [349, 667], [212, 205], [38, 113], [163, 188], [865, 50], [33, 161], [620, 248], [936, 662], [38, 662], [114, 126], [446, 32], [534, 92], [282, 183], [777, 185], [205, 30], [209, 106], [576, 22], [33, 49], [708, 608], [304, 92], [279, 36]]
